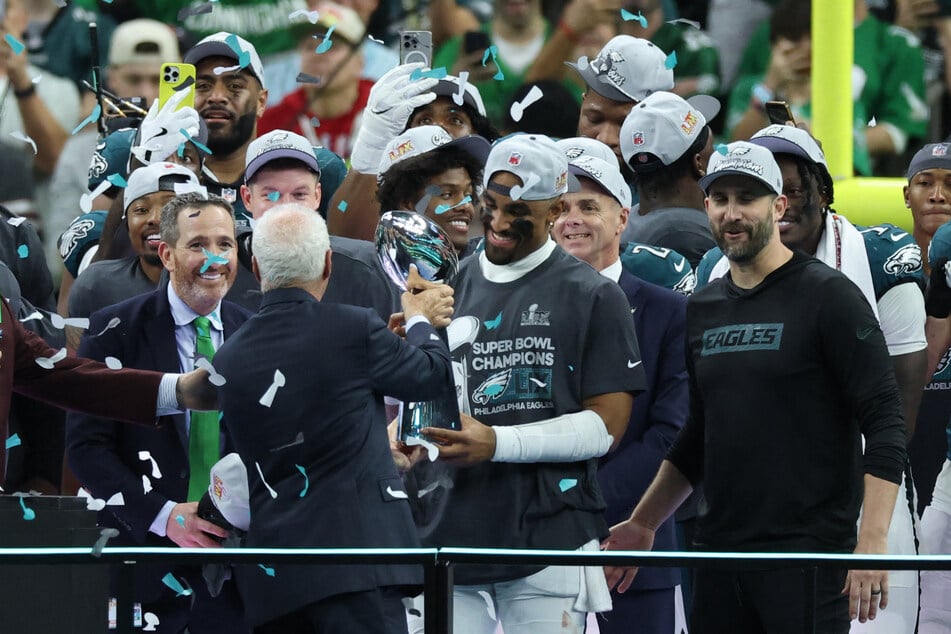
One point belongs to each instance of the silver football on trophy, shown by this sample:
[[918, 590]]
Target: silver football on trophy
[[406, 237]]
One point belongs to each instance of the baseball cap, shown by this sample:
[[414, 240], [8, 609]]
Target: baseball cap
[[536, 160], [224, 44], [449, 86], [626, 69], [787, 139], [931, 156], [660, 129], [157, 177], [574, 147], [278, 144], [345, 21], [607, 174], [143, 41], [228, 492], [744, 159], [425, 138]]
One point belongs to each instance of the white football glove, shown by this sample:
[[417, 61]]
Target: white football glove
[[160, 131], [392, 100]]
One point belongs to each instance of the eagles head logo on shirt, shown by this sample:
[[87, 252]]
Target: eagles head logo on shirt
[[492, 388], [904, 260]]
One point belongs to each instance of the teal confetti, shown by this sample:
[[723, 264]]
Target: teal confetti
[[722, 148], [23, 251], [441, 209], [268, 571], [274, 196], [671, 62], [210, 259], [181, 150], [176, 585], [244, 57], [492, 51], [571, 368], [13, 441], [436, 73], [306, 480], [324, 46], [92, 118], [28, 513], [14, 43], [200, 146], [342, 206], [117, 180], [494, 323], [499, 76], [628, 17], [567, 483], [181, 520]]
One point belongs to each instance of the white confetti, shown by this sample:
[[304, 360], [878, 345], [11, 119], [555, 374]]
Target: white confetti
[[150, 622], [268, 398], [113, 363], [17, 221], [92, 503], [457, 97], [518, 108], [77, 322], [431, 449], [373, 39], [146, 483], [115, 321], [299, 439], [144, 455], [48, 363], [489, 605], [85, 201], [19, 136], [34, 315], [399, 495], [692, 23], [270, 490], [116, 500], [872, 122], [221, 70], [312, 16], [213, 377]]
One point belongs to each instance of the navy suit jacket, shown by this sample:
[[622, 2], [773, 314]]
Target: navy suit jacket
[[104, 454], [657, 416], [322, 445]]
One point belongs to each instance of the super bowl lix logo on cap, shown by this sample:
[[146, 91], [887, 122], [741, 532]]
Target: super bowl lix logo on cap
[[401, 149], [689, 123]]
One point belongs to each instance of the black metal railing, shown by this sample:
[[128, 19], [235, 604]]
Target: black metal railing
[[438, 562]]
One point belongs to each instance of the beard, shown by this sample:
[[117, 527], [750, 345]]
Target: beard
[[759, 234], [223, 142]]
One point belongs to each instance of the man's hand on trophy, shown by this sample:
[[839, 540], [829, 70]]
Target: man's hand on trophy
[[429, 299]]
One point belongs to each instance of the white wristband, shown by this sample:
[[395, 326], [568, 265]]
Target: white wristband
[[566, 438]]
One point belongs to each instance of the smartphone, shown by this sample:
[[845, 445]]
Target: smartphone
[[175, 77], [779, 112], [416, 46], [475, 41]]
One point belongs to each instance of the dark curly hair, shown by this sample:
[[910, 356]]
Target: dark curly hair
[[407, 179]]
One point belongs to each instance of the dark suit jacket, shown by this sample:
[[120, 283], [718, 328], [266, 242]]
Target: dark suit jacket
[[656, 418], [338, 361], [73, 383], [104, 455]]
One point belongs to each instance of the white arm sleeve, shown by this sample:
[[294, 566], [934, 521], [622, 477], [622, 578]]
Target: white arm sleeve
[[567, 438], [902, 313]]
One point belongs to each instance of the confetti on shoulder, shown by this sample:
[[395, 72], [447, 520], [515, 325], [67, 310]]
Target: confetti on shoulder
[[47, 363], [19, 136]]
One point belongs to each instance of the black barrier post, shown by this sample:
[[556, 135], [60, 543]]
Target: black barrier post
[[125, 601], [437, 598]]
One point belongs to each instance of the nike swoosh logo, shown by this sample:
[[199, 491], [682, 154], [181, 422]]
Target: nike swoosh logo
[[680, 266], [399, 495], [898, 237], [863, 333], [632, 364]]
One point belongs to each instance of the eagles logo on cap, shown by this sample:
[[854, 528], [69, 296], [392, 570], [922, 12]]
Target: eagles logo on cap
[[604, 63], [638, 138], [738, 151], [277, 137], [574, 152], [515, 158]]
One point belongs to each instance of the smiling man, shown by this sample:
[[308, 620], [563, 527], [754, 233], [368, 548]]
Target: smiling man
[[590, 227], [545, 382], [778, 324], [230, 101], [427, 171], [167, 329]]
